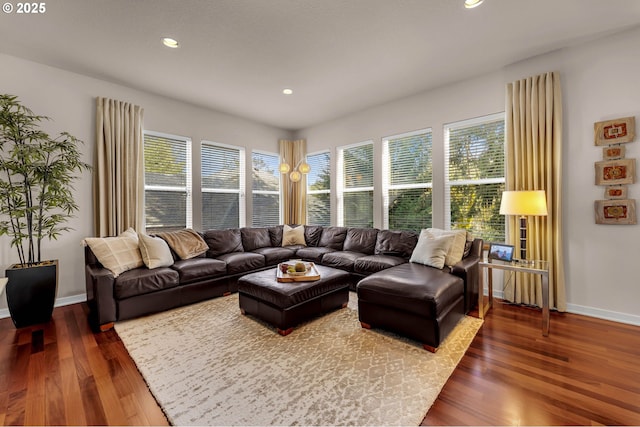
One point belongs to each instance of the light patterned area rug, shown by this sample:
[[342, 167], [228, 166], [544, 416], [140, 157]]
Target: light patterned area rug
[[207, 364]]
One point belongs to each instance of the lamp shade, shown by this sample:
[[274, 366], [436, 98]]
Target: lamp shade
[[284, 168], [295, 176], [304, 167], [524, 203]]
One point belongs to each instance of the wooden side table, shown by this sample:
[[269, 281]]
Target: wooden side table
[[534, 267]]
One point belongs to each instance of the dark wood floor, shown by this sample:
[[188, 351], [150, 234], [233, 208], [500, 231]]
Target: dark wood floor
[[586, 372]]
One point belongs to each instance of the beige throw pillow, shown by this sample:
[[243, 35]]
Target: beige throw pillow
[[431, 250], [155, 251], [456, 251], [293, 235], [117, 254]]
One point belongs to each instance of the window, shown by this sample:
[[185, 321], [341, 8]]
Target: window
[[475, 176], [266, 189], [319, 189], [223, 180], [167, 177], [407, 180], [355, 185]]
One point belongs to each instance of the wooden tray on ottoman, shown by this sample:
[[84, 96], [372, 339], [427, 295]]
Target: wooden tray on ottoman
[[310, 275]]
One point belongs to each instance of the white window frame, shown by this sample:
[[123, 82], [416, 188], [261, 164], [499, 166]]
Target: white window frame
[[188, 188], [465, 182], [341, 190], [241, 191], [386, 172], [268, 192], [315, 192]]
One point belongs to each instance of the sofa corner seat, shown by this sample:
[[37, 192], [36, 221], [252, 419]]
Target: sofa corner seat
[[414, 300]]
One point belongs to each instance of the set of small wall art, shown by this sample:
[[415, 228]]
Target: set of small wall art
[[615, 171]]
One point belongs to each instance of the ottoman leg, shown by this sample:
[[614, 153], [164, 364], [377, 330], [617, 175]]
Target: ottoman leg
[[285, 332], [429, 348], [365, 325]]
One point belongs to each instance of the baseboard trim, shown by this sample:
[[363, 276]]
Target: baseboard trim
[[60, 302], [598, 313]]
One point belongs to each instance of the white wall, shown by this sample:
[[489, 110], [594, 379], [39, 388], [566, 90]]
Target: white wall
[[599, 82], [69, 99]]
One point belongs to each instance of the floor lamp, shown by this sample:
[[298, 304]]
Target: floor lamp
[[523, 204]]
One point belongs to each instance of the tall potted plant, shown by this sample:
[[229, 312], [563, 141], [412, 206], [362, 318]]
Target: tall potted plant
[[36, 200]]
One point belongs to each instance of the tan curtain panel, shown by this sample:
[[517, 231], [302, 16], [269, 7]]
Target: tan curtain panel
[[294, 194], [534, 162], [118, 180]]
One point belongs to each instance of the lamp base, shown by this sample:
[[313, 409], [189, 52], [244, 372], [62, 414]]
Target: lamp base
[[523, 238]]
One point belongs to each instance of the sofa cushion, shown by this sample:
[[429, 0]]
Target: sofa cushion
[[242, 262], [254, 238], [374, 263], [155, 251], [293, 235], [273, 256], [143, 281], [344, 260], [194, 269], [362, 240], [431, 250], [414, 288], [312, 234], [117, 254], [275, 234], [396, 243], [314, 254], [222, 242], [333, 237]]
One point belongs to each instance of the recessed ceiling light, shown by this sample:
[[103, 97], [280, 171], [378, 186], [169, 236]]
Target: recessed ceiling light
[[287, 91], [470, 4], [169, 42]]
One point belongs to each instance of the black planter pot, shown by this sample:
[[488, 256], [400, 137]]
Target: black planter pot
[[31, 293]]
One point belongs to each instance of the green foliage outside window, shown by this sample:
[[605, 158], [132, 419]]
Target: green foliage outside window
[[476, 178]]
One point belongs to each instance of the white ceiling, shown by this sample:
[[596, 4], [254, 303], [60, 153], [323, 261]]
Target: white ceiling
[[339, 56]]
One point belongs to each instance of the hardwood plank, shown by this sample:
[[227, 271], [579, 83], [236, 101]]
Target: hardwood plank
[[34, 413], [74, 412]]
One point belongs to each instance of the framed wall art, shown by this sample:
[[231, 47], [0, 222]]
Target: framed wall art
[[615, 172], [614, 192], [613, 153], [615, 211], [616, 131]]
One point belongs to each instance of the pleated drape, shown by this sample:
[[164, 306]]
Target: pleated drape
[[534, 162], [294, 194], [118, 180]]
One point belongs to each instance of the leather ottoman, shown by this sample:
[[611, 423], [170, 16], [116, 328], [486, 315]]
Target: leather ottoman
[[413, 300], [287, 304]]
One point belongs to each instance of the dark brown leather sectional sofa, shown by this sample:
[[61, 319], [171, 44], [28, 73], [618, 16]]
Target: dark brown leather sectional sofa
[[363, 252]]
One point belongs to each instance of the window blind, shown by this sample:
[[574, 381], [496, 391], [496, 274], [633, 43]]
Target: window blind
[[407, 180], [167, 164], [355, 198], [222, 175], [319, 189], [475, 176], [266, 189]]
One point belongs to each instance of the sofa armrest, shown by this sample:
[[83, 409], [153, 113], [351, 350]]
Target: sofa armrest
[[469, 271], [100, 296]]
